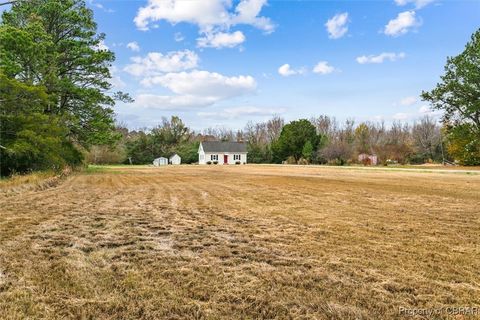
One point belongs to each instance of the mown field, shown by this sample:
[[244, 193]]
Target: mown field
[[240, 242]]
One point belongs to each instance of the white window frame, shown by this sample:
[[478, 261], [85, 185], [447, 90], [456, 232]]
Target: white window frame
[[236, 157], [214, 157]]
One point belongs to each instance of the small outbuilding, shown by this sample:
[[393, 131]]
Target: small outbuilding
[[368, 159], [160, 162], [175, 159]]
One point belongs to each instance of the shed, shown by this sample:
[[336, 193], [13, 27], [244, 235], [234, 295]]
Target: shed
[[368, 159], [175, 159], [160, 162]]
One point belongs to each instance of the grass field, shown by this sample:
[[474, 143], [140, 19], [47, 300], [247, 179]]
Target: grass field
[[240, 242]]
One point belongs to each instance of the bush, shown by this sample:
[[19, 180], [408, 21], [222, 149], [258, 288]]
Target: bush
[[303, 161], [291, 160], [237, 162], [337, 162], [215, 162], [209, 162]]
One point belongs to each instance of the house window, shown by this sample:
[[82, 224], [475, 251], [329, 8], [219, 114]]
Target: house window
[[236, 157], [214, 157]]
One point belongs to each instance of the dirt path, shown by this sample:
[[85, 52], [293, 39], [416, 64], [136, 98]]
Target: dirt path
[[240, 242]]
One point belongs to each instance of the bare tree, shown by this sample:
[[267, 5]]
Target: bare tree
[[426, 137], [220, 133], [325, 125], [274, 128]]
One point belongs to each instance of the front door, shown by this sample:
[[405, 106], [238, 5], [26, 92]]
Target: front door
[[225, 159]]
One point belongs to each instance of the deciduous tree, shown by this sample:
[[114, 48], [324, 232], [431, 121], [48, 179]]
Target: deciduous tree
[[458, 95]]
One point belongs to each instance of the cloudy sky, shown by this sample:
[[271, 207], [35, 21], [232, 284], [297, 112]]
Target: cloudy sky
[[222, 62]]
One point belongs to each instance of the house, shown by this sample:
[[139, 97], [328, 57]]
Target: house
[[220, 152], [175, 159], [368, 159], [160, 162]]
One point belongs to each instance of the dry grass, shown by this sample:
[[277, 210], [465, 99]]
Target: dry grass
[[243, 242], [25, 181]]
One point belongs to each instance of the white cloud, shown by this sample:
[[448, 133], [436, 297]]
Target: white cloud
[[247, 12], [391, 56], [418, 3], [116, 81], [204, 84], [424, 109], [155, 63], [179, 37], [408, 101], [402, 24], [337, 26], [285, 70], [165, 102], [248, 111], [133, 46], [194, 89], [428, 111], [211, 16], [323, 68], [100, 6], [221, 39], [203, 13]]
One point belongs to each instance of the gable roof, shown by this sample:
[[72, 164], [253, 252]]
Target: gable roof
[[223, 146], [173, 155]]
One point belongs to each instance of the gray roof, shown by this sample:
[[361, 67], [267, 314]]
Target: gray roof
[[222, 146]]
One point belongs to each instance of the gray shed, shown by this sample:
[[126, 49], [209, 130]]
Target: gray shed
[[160, 162]]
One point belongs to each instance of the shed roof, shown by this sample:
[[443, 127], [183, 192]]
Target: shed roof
[[223, 146]]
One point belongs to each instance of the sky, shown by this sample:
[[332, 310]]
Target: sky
[[222, 63]]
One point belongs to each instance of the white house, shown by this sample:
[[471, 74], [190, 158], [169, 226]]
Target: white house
[[219, 152], [160, 162], [175, 159]]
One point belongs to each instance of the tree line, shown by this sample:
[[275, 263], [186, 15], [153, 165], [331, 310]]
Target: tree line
[[319, 140]]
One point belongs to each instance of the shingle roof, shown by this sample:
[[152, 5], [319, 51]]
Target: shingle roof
[[221, 146]]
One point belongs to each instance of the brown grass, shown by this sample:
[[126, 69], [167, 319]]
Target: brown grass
[[240, 242]]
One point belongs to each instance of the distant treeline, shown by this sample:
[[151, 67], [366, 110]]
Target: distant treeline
[[319, 140]]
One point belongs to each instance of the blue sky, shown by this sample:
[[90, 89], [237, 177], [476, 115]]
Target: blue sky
[[223, 63]]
